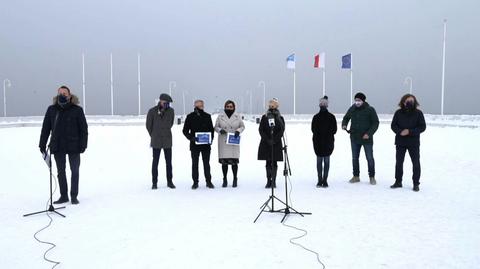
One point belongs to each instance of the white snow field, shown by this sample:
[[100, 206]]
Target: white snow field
[[122, 223]]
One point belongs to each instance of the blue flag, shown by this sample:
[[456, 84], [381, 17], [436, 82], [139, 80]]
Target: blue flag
[[347, 61], [291, 61]]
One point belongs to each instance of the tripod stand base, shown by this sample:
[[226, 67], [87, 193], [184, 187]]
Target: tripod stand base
[[286, 211], [50, 209]]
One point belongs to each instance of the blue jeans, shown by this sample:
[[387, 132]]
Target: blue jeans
[[356, 155], [323, 165]]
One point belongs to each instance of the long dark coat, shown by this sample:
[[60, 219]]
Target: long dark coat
[[198, 121], [159, 125], [67, 127], [265, 148], [324, 127], [414, 121]]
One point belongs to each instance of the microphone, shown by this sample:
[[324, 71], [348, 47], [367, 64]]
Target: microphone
[[271, 119]]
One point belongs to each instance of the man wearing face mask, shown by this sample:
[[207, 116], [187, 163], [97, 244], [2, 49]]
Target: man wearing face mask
[[229, 122], [199, 121], [271, 129], [67, 128], [364, 123], [324, 127], [407, 124], [160, 119]]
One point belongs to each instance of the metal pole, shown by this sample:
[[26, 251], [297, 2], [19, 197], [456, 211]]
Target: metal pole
[[351, 80], [171, 84], [323, 81], [83, 84], [251, 107], [264, 106], [6, 83], [111, 83], [443, 64], [294, 95], [139, 86], [409, 79], [183, 102]]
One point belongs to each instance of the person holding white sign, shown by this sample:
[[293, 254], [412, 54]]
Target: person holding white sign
[[229, 125], [198, 128]]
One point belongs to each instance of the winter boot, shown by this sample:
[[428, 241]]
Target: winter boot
[[319, 183], [154, 186], [170, 184], [269, 183], [354, 179], [61, 200], [416, 188], [195, 185], [235, 180], [373, 181], [396, 185], [225, 183], [325, 183], [75, 201], [209, 184]]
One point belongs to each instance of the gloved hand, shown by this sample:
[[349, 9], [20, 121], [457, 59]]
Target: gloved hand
[[237, 133], [223, 132], [43, 150], [82, 149]]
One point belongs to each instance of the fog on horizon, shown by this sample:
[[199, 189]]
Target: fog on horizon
[[219, 50]]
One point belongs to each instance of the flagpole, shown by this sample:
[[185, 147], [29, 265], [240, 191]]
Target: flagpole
[[139, 85], [83, 84], [443, 63], [294, 95], [111, 83], [351, 79], [324, 81]]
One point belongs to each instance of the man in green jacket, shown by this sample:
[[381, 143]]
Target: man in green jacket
[[364, 123]]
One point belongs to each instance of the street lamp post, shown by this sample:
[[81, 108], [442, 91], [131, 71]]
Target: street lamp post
[[264, 106], [410, 81], [171, 85], [6, 83]]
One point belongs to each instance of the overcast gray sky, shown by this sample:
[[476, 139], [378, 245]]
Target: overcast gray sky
[[221, 49]]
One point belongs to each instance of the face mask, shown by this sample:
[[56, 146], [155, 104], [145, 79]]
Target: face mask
[[358, 103], [323, 108], [229, 112], [409, 105], [165, 105], [62, 100]]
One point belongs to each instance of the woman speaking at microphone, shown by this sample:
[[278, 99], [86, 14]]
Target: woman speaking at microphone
[[272, 126]]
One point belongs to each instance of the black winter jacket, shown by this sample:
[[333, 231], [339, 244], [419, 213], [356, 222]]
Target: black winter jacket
[[265, 147], [66, 126], [414, 121], [324, 127], [197, 121]]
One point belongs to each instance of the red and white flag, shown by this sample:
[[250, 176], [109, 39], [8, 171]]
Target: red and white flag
[[319, 60]]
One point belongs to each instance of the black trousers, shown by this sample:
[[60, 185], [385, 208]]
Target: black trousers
[[206, 163], [168, 161], [414, 152], [271, 170], [74, 161]]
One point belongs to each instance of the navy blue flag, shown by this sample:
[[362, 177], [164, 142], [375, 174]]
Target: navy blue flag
[[347, 61]]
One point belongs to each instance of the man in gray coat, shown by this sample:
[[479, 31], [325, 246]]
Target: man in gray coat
[[159, 124]]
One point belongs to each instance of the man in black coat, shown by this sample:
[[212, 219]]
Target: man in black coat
[[271, 129], [324, 127], [407, 124], [199, 121], [67, 127]]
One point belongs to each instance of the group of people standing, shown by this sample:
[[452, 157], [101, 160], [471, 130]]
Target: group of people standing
[[66, 125]]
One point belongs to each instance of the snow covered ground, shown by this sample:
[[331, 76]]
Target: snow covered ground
[[122, 223]]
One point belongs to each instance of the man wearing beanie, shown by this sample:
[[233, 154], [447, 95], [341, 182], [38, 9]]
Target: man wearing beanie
[[364, 123], [159, 124]]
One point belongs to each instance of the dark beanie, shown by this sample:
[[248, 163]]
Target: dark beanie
[[360, 96], [166, 97]]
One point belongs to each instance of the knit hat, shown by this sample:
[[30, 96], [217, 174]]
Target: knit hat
[[324, 101], [360, 96], [166, 97], [274, 101]]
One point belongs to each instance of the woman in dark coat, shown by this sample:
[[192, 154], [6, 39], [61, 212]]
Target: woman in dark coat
[[324, 127], [271, 128], [408, 123]]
